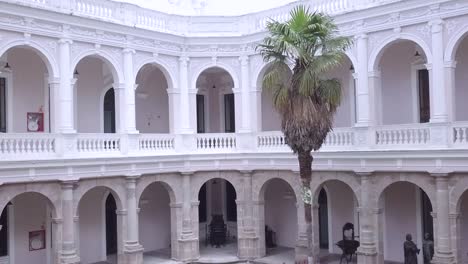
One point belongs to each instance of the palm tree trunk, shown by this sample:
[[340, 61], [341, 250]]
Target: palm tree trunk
[[305, 170]]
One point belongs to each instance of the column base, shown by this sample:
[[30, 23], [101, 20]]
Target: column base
[[304, 254], [188, 249], [133, 254], [248, 247], [69, 258], [446, 258], [368, 256]]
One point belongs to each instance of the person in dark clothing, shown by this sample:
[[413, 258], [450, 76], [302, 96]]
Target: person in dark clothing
[[410, 250], [428, 248]]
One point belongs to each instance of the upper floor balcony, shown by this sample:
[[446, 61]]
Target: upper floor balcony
[[75, 97], [138, 17]]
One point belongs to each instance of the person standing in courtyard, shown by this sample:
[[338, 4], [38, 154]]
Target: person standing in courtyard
[[410, 250], [428, 248]]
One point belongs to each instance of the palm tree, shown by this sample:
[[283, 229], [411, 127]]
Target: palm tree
[[307, 101]]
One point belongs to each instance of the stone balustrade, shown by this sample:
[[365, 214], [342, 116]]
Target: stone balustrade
[[135, 16], [31, 146]]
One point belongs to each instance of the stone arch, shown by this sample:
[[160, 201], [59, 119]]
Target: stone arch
[[379, 49], [230, 70], [115, 187], [260, 181], [347, 178], [170, 182], [454, 42], [51, 192], [47, 57], [457, 190], [107, 58], [199, 178], [423, 181], [162, 66]]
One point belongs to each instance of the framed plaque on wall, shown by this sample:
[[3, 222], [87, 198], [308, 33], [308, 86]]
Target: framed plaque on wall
[[35, 122], [37, 240]]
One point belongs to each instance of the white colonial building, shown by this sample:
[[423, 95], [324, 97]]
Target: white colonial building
[[124, 130]]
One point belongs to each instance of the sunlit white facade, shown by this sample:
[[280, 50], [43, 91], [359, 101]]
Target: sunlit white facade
[[124, 130]]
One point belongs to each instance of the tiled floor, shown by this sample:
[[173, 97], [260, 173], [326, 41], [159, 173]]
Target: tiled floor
[[228, 254]]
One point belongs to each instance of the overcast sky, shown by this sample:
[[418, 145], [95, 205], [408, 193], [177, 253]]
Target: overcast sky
[[209, 7]]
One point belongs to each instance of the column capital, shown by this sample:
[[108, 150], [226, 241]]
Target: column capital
[[65, 41], [454, 215], [246, 173], [364, 174], [70, 184], [184, 60], [57, 220], [450, 64], [132, 178], [119, 86], [121, 212], [244, 59], [436, 25], [128, 51], [187, 173], [362, 36]]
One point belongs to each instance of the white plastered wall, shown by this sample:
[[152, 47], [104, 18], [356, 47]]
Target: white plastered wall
[[461, 82], [91, 212], [30, 214], [93, 81], [396, 83], [281, 212], [152, 101], [401, 218], [28, 91], [155, 218], [341, 207]]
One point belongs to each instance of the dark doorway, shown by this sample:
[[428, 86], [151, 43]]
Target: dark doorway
[[109, 111], [4, 232], [424, 100], [229, 114], [3, 108], [202, 207], [200, 113], [111, 225], [323, 219], [231, 206], [427, 220]]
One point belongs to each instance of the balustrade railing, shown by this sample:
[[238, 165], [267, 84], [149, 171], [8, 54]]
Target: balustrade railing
[[216, 141], [27, 144], [396, 137], [132, 15], [340, 137], [415, 134], [460, 134], [156, 142], [97, 143]]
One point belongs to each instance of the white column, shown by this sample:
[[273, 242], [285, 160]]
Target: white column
[[450, 83], [443, 250], [68, 253], [186, 110], [245, 95], [362, 92], [256, 113], [132, 244], [120, 107], [367, 252], [65, 110], [130, 118], [186, 220], [54, 89], [438, 92]]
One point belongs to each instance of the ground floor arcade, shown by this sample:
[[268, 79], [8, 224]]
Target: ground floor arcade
[[169, 218]]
